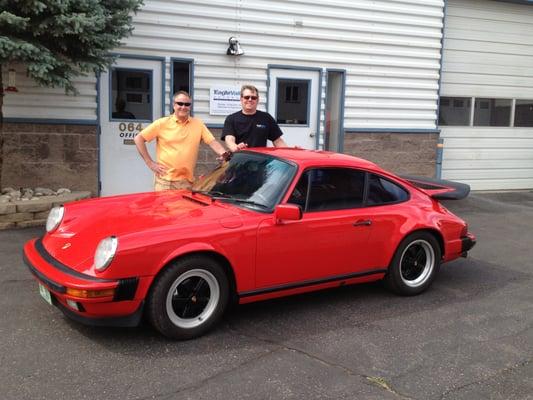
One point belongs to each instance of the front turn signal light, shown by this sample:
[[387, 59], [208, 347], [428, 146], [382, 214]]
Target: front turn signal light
[[90, 294]]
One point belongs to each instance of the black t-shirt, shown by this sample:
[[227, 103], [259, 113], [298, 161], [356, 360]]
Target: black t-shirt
[[254, 130]]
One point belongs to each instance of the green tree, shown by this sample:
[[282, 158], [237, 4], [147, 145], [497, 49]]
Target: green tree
[[57, 40]]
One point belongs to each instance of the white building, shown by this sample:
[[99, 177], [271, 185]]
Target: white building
[[486, 117], [358, 76]]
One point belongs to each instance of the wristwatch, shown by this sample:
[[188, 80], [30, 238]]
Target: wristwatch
[[226, 156]]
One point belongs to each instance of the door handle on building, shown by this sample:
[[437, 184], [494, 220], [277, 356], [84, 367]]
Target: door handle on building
[[311, 134]]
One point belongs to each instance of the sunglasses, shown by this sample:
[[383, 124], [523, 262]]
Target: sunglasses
[[249, 97], [181, 104]]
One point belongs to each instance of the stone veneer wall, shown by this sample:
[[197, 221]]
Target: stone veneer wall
[[27, 213], [50, 155], [54, 156], [401, 153], [207, 159]]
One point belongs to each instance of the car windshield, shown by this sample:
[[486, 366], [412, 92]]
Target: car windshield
[[249, 179]]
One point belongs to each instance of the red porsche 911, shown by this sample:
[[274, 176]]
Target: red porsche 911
[[270, 222]]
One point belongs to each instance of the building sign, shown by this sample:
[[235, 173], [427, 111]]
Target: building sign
[[224, 100]]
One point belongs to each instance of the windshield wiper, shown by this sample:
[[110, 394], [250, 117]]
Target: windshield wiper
[[244, 201], [210, 193], [216, 195]]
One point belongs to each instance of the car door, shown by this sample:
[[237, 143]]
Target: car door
[[386, 202], [330, 239]]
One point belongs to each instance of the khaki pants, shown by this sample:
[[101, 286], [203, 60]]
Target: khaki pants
[[163, 184]]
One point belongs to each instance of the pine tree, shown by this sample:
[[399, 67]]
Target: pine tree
[[57, 40]]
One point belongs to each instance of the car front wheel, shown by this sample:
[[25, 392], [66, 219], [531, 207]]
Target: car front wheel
[[415, 264], [188, 298]]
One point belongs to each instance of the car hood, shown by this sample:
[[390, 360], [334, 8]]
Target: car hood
[[87, 222]]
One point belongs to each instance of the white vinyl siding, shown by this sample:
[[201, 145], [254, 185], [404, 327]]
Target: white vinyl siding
[[36, 102], [389, 49], [489, 158], [488, 53]]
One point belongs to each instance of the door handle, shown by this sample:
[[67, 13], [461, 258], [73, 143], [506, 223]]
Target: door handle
[[311, 134], [362, 222]]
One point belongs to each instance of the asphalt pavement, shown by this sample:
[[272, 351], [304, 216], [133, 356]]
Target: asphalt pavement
[[469, 337]]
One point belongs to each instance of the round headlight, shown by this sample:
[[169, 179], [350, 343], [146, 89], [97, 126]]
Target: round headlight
[[105, 252], [54, 218]]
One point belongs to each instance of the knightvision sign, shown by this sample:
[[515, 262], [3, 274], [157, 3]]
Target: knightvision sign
[[224, 100]]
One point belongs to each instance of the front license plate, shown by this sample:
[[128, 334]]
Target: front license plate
[[45, 293]]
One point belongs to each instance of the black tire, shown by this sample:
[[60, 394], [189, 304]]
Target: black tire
[[414, 265], [188, 298]]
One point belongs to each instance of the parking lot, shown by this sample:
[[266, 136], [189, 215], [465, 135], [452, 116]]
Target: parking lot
[[469, 337]]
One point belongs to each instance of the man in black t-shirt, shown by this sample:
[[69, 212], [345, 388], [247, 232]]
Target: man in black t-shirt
[[250, 127]]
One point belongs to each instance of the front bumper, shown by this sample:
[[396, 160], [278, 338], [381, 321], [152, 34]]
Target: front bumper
[[119, 309]]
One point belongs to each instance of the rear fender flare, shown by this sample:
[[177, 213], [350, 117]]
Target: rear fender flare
[[436, 234]]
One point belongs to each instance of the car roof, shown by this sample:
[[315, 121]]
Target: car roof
[[307, 158]]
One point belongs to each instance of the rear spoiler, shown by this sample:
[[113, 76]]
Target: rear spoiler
[[439, 189]]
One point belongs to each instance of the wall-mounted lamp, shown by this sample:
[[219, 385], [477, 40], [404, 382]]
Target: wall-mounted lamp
[[234, 48], [11, 81]]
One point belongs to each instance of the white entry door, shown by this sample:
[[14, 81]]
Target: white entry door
[[130, 99], [293, 97]]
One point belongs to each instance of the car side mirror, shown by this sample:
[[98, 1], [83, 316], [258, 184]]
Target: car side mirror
[[287, 212]]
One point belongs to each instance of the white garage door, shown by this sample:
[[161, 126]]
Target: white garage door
[[486, 111]]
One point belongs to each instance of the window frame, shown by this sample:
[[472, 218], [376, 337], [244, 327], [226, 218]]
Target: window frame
[[173, 79], [150, 93], [280, 95], [514, 113], [473, 100], [492, 109], [366, 188]]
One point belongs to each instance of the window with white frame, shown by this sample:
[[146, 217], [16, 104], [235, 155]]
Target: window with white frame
[[492, 112], [454, 111], [523, 113], [482, 111]]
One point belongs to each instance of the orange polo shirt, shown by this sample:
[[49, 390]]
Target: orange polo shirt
[[177, 144]]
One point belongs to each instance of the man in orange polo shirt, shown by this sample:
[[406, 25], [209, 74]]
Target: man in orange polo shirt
[[178, 141]]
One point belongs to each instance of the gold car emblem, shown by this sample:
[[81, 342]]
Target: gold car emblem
[[66, 246]]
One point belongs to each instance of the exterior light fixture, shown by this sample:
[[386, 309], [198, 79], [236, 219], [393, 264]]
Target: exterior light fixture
[[234, 48], [11, 81]]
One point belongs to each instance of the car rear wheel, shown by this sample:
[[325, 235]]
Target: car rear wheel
[[415, 264], [188, 298]]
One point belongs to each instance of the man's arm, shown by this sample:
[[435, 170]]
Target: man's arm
[[230, 142], [217, 147], [279, 142], [140, 143], [232, 146]]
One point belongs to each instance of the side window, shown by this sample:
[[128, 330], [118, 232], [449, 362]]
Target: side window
[[329, 189], [383, 191], [299, 194]]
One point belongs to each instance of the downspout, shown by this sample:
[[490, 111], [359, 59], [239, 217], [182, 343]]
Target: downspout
[[440, 141]]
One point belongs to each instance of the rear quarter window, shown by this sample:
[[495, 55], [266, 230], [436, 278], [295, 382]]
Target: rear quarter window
[[384, 191]]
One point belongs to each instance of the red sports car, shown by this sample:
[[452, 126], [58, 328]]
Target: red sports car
[[270, 222]]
